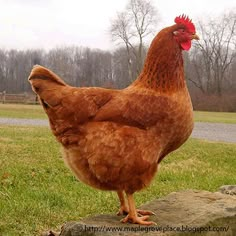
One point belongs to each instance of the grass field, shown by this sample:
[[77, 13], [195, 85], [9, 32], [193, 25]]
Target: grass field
[[36, 111], [37, 191], [215, 117], [22, 111]]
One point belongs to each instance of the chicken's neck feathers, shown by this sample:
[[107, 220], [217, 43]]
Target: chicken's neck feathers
[[163, 69]]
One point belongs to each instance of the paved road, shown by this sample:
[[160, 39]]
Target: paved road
[[209, 131], [215, 132], [17, 121]]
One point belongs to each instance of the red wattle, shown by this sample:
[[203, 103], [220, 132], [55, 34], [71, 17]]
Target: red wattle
[[186, 45]]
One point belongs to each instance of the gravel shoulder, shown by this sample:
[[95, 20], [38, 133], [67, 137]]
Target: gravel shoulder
[[202, 130]]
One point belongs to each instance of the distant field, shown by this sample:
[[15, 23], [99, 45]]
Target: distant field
[[36, 111], [22, 111], [38, 192], [215, 117]]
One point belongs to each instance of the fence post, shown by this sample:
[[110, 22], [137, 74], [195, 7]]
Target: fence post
[[36, 99], [3, 97], [25, 97]]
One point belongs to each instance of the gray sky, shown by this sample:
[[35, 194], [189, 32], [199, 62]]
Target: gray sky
[[50, 23]]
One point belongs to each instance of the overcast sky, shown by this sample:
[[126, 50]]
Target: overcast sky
[[50, 23]]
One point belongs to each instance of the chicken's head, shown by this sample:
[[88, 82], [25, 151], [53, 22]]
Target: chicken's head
[[185, 32], [46, 85]]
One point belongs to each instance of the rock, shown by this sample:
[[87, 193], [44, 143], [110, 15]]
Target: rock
[[179, 213], [228, 189]]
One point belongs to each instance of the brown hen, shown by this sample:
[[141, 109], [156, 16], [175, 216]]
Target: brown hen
[[114, 139]]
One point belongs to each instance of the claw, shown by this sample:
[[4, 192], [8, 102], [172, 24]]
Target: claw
[[138, 220]]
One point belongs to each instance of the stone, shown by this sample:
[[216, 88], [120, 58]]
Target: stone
[[228, 189], [189, 212]]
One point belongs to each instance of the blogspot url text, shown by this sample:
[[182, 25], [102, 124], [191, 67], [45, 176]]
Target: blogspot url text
[[163, 229]]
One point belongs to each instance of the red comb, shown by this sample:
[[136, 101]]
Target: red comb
[[184, 20]]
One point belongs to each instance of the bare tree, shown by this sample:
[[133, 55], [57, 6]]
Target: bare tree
[[130, 27], [214, 53], [120, 31], [3, 70]]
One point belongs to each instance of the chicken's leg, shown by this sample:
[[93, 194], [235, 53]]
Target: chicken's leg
[[133, 217], [124, 209]]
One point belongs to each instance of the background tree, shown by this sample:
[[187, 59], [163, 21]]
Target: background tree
[[210, 65], [214, 54], [130, 27]]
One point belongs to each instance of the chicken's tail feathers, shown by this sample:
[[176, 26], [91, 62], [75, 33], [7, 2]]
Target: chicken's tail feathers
[[40, 72]]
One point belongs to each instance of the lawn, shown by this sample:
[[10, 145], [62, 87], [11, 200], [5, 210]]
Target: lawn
[[36, 111], [22, 111], [38, 192], [215, 117]]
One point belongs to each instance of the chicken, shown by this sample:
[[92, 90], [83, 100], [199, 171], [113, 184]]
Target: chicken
[[115, 139]]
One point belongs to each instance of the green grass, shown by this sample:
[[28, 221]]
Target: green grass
[[38, 192], [22, 111], [36, 111], [215, 117]]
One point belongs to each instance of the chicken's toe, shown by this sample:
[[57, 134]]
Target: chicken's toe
[[145, 213], [138, 220]]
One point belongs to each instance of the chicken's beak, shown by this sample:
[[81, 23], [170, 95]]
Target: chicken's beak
[[195, 36]]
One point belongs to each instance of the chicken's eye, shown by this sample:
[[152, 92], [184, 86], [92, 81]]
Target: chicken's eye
[[178, 32]]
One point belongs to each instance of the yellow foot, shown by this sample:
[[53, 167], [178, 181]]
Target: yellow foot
[[145, 213], [125, 211], [138, 220]]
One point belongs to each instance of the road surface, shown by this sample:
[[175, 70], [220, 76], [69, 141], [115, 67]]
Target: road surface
[[209, 131]]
